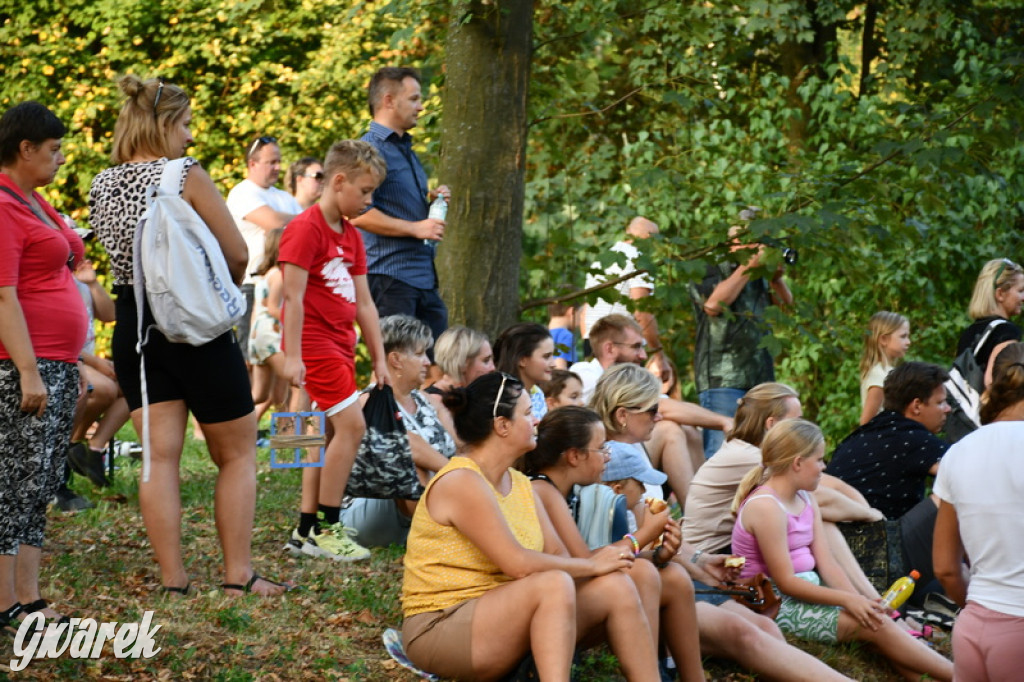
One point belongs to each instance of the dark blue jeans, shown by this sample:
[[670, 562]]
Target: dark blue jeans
[[720, 401]]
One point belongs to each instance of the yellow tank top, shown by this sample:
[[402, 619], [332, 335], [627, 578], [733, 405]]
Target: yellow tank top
[[442, 567]]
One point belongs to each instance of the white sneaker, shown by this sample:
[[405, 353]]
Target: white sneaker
[[294, 544], [335, 542]]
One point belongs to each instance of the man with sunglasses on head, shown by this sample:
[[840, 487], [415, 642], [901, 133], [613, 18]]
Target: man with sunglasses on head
[[400, 237], [259, 207]]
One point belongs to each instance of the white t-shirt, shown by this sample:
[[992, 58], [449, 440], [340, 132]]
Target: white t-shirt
[[595, 312], [246, 197], [875, 377], [982, 477], [589, 372]]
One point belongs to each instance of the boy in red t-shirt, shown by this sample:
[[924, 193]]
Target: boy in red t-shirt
[[324, 268]]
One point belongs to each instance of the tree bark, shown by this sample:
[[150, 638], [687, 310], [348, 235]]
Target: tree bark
[[483, 148]]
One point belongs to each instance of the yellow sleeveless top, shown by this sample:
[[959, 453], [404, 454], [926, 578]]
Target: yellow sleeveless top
[[442, 567]]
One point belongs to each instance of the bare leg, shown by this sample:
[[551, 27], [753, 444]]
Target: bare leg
[[669, 453], [8, 571], [262, 381], [160, 497], [348, 428], [27, 577], [844, 557], [113, 419], [695, 444], [680, 625], [760, 647], [232, 447], [610, 602], [104, 392], [910, 656], [648, 586], [536, 613]]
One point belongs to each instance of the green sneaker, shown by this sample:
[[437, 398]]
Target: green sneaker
[[335, 542]]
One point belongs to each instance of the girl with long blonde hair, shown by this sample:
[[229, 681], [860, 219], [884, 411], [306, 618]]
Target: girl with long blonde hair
[[887, 342], [779, 530]]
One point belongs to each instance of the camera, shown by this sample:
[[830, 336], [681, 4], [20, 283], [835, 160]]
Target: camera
[[790, 255]]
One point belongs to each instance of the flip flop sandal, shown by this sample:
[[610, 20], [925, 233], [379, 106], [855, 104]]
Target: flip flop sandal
[[183, 591], [9, 619], [247, 588], [39, 605]]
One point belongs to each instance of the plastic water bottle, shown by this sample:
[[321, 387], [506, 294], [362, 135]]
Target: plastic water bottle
[[438, 211], [900, 591]]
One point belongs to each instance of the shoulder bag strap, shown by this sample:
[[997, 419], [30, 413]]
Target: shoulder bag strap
[[988, 332], [39, 214]]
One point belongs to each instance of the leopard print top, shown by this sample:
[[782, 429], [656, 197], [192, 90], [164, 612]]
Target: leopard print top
[[117, 201]]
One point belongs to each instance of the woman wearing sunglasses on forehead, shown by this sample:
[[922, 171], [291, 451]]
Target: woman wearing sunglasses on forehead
[[209, 380], [305, 181], [486, 578]]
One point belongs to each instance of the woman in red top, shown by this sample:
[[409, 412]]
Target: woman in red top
[[42, 329]]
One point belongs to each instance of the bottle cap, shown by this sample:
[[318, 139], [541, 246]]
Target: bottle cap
[[915, 575]]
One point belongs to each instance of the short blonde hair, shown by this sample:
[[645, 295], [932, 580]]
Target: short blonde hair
[[454, 349], [788, 441], [999, 273], [148, 111], [612, 327], [352, 157], [626, 385]]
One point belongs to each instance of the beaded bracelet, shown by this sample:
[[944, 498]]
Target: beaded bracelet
[[632, 541]]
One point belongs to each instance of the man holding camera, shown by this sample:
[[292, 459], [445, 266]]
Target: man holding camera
[[729, 305]]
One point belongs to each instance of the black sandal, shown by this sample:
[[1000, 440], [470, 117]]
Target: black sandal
[[183, 591], [247, 588], [10, 617], [39, 605]]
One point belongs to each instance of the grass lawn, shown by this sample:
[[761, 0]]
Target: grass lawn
[[98, 564]]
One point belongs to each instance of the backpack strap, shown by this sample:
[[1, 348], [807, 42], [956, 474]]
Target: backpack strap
[[987, 333], [170, 180], [170, 184]]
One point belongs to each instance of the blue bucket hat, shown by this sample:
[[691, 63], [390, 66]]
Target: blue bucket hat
[[627, 461]]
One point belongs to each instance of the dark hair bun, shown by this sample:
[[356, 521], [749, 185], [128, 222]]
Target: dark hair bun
[[456, 400]]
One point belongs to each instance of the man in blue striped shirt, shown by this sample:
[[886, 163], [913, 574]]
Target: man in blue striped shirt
[[400, 239]]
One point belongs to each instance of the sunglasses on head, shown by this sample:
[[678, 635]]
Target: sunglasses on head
[[501, 392], [260, 141], [1006, 263], [159, 94]]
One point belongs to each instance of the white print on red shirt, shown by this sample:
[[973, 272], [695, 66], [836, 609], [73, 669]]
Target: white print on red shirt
[[337, 279]]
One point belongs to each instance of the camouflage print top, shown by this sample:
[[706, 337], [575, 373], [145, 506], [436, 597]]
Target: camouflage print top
[[728, 352]]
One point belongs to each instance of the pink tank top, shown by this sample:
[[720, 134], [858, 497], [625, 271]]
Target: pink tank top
[[799, 535]]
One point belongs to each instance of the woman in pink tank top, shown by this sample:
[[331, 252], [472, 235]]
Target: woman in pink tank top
[[778, 528]]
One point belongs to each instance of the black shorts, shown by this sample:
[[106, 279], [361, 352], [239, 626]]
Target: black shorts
[[211, 379]]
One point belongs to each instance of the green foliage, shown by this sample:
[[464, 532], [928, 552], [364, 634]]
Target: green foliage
[[684, 112], [894, 196], [295, 70]]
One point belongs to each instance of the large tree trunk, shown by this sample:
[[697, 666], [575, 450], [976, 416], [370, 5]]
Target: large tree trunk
[[483, 147]]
